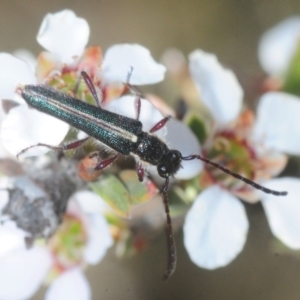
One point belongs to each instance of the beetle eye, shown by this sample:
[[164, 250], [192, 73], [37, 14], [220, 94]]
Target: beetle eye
[[162, 171]]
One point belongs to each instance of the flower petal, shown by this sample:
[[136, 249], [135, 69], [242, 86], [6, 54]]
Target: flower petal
[[99, 241], [13, 71], [48, 64], [22, 272], [283, 212], [119, 59], [64, 34], [90, 202], [3, 152], [4, 196], [27, 56], [11, 237], [100, 238], [278, 122], [181, 138], [149, 115], [70, 285], [215, 228], [278, 45], [25, 127], [219, 87]]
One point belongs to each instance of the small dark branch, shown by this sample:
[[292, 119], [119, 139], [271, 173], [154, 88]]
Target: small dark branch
[[58, 149], [129, 74], [137, 106], [129, 86], [67, 146]]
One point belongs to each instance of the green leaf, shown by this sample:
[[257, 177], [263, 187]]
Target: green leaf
[[292, 77], [197, 125], [177, 202], [139, 192], [113, 192]]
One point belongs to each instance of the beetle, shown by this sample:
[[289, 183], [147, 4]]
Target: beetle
[[122, 134]]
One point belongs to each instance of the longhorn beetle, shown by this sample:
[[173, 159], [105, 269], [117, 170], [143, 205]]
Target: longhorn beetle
[[122, 134]]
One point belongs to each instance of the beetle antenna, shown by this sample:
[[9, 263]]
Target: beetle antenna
[[129, 86], [235, 175], [172, 259]]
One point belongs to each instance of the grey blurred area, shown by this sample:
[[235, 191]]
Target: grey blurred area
[[229, 28]]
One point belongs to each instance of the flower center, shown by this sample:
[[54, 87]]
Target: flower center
[[64, 77], [68, 243], [66, 83], [234, 154]]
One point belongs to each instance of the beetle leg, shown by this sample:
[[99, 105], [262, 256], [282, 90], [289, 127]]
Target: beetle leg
[[140, 170], [63, 147], [160, 124], [89, 83], [105, 163]]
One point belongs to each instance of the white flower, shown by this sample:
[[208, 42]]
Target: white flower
[[278, 45], [219, 88], [215, 229], [278, 122], [24, 127], [216, 226], [22, 271], [283, 213], [181, 138], [70, 285], [65, 36], [119, 58]]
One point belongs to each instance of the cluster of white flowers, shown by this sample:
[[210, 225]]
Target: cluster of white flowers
[[64, 36], [216, 225]]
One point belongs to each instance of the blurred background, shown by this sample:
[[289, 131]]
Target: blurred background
[[229, 28]]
